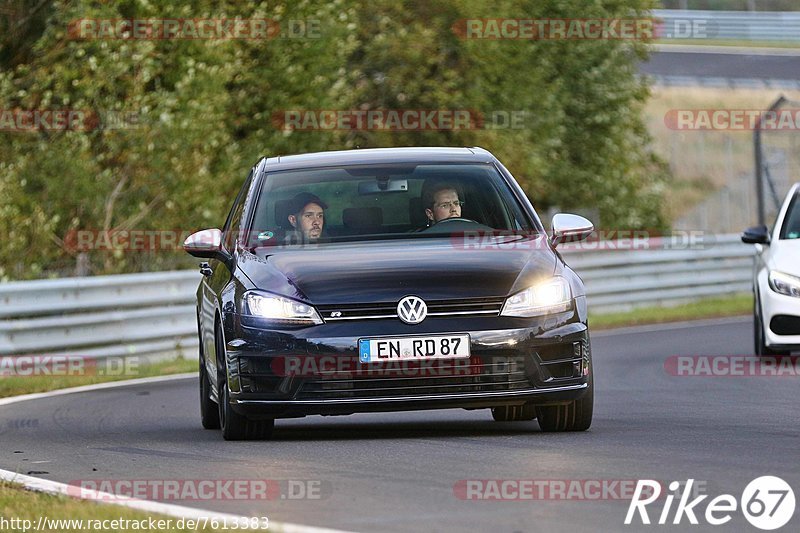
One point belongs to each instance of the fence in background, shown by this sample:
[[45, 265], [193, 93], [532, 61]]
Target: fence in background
[[149, 315], [625, 279], [680, 24], [152, 316]]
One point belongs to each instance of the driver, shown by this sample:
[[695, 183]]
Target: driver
[[442, 202]]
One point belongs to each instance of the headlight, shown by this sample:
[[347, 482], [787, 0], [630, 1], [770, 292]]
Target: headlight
[[784, 283], [551, 296], [280, 309]]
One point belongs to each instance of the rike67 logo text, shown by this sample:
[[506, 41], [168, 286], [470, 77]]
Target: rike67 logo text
[[767, 502]]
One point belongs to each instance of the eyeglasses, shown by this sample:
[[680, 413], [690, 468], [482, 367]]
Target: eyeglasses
[[448, 205]]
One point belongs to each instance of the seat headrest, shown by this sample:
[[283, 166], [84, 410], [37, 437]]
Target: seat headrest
[[357, 218], [416, 212], [282, 212]]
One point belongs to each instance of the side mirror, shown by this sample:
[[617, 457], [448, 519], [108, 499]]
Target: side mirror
[[756, 235], [570, 228], [207, 244]]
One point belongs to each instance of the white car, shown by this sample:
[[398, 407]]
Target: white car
[[776, 280]]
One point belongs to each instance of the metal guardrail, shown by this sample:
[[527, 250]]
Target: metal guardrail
[[729, 25], [619, 280], [152, 316]]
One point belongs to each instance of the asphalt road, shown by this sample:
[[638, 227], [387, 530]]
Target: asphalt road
[[397, 472], [724, 65]]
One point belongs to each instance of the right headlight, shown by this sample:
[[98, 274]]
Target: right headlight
[[280, 310], [784, 283], [551, 296]]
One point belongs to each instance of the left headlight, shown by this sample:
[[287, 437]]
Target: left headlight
[[281, 310], [551, 296], [784, 283]]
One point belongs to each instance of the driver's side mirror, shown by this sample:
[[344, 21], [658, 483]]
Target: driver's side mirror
[[570, 228], [207, 244], [756, 235]]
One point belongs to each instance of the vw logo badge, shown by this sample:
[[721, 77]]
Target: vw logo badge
[[412, 310]]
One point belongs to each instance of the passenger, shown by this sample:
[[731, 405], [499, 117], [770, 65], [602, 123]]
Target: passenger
[[441, 201], [307, 218]]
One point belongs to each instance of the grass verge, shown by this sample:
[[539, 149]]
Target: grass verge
[[21, 509], [736, 305], [13, 385]]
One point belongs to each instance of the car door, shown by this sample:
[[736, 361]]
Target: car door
[[218, 274]]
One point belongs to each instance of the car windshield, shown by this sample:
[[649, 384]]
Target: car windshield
[[369, 202], [791, 224]]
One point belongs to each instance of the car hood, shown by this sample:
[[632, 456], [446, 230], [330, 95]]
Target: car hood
[[383, 271], [785, 256]]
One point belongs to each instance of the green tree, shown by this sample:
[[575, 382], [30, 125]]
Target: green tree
[[176, 124]]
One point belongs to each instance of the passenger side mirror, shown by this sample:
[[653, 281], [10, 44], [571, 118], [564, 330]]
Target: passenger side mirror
[[570, 228], [207, 244], [756, 235]]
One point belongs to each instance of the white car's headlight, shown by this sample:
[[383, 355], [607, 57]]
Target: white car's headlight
[[551, 296], [280, 309], [784, 283]]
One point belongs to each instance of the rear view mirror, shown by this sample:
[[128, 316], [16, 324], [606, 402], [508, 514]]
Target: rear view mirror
[[381, 185], [207, 244], [570, 228]]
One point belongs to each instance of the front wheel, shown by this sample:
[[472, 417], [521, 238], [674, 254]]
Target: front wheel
[[234, 425], [514, 413], [209, 413], [574, 416], [238, 427]]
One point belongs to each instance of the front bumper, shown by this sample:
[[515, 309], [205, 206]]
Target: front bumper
[[346, 406], [781, 316], [513, 361]]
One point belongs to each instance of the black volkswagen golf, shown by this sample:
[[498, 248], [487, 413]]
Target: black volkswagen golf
[[388, 280]]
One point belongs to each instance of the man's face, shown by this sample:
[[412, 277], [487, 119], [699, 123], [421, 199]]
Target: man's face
[[310, 221], [445, 205]]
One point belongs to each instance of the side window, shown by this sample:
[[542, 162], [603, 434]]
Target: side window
[[231, 229], [791, 223]]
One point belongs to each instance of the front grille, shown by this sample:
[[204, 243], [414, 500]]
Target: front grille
[[448, 376], [463, 307]]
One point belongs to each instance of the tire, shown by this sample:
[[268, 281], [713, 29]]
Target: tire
[[234, 425], [514, 413], [759, 338], [209, 411], [574, 416]]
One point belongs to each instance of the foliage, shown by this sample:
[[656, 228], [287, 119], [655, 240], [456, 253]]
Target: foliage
[[180, 122]]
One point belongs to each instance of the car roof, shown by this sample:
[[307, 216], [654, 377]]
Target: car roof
[[380, 156]]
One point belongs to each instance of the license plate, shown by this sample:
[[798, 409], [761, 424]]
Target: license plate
[[411, 348]]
